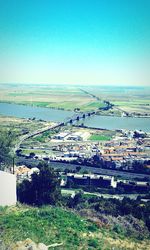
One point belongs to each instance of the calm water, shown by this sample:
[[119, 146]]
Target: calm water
[[23, 111], [46, 114], [110, 122]]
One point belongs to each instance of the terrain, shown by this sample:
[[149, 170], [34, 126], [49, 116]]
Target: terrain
[[58, 225], [133, 100], [77, 227], [58, 97]]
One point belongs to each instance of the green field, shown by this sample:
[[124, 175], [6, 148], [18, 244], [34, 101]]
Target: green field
[[35, 151], [57, 225], [100, 138], [93, 106]]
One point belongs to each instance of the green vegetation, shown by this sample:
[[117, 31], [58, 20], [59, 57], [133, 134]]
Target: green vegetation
[[39, 104], [120, 215], [35, 151], [6, 142], [44, 137], [130, 221], [47, 225], [52, 224], [41, 138], [44, 188], [92, 106], [69, 105], [98, 137], [66, 105]]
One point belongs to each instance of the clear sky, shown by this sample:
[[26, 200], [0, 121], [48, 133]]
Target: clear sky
[[75, 41]]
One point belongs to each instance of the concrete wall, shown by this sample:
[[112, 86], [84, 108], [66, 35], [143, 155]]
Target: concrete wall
[[7, 189]]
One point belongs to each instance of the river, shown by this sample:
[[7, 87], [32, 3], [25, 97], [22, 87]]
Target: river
[[47, 114], [113, 122], [26, 111]]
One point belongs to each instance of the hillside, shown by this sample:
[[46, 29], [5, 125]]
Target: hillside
[[57, 225]]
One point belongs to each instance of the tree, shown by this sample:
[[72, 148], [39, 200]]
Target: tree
[[76, 199], [6, 142], [78, 168], [32, 155], [43, 188]]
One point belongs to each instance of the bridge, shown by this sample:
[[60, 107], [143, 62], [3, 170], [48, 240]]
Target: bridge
[[69, 120], [78, 117]]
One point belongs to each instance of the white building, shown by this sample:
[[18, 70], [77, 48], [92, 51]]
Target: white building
[[8, 195], [60, 136], [78, 136]]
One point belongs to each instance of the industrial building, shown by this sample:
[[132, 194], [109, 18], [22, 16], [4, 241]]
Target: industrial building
[[92, 180]]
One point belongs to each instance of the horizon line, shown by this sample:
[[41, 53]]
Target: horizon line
[[78, 84]]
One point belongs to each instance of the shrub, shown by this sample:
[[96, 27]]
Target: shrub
[[93, 243]]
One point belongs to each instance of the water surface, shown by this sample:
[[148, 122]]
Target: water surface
[[24, 111], [112, 122], [47, 114]]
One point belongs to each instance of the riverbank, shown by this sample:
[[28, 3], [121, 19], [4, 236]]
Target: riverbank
[[112, 101], [46, 114]]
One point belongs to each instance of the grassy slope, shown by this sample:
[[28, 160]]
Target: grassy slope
[[53, 225]]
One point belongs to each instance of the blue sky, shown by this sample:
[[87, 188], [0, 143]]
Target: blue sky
[[75, 42]]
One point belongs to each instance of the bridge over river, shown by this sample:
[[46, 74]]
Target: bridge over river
[[78, 117]]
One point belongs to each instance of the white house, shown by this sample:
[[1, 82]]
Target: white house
[[8, 195]]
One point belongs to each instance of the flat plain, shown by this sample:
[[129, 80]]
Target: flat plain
[[129, 99], [135, 100], [58, 97]]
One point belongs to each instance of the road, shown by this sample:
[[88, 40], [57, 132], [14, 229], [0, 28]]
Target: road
[[37, 132], [69, 166]]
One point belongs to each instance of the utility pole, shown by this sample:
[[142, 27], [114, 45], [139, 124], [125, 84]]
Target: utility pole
[[13, 167]]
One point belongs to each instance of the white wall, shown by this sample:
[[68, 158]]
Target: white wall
[[7, 189]]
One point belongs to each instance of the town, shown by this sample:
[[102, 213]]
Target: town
[[121, 150]]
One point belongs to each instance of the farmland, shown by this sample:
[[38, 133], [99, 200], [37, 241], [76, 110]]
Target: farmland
[[129, 99], [57, 97], [135, 100]]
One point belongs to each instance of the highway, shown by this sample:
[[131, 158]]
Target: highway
[[62, 166], [37, 132]]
